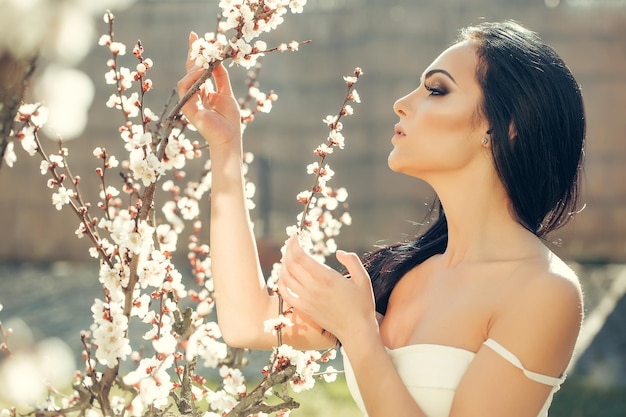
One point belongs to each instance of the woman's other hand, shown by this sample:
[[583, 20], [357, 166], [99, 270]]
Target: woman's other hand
[[343, 306], [215, 114]]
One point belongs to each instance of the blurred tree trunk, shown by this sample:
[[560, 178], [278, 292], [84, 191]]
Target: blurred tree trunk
[[14, 76]]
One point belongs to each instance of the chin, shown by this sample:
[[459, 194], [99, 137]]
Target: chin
[[391, 163], [399, 168], [395, 162]]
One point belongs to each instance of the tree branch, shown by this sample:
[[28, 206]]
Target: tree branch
[[14, 76]]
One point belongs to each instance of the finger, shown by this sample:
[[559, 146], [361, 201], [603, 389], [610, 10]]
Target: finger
[[189, 64], [188, 80], [296, 253], [289, 288], [354, 265], [295, 271], [222, 80], [292, 248], [290, 296]]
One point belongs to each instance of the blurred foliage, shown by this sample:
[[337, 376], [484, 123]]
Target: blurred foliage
[[327, 400], [579, 398]]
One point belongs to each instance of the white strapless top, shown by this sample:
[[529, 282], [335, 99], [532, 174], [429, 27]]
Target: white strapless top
[[432, 373]]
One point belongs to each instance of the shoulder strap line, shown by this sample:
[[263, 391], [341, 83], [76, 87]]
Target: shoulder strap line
[[514, 360]]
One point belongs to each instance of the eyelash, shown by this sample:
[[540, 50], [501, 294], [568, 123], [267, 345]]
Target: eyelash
[[434, 91]]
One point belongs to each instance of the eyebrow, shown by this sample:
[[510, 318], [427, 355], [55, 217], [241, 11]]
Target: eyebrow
[[439, 71]]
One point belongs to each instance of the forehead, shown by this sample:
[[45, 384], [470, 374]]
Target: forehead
[[460, 61]]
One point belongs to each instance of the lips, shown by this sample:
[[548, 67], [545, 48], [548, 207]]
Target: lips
[[398, 131]]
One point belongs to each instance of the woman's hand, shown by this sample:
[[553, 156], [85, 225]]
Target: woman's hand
[[342, 306], [215, 114]]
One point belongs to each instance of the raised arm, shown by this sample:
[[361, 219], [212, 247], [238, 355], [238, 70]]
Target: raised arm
[[241, 296]]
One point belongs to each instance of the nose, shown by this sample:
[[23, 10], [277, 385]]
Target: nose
[[402, 106]]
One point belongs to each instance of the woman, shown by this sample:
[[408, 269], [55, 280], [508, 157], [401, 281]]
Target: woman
[[476, 317]]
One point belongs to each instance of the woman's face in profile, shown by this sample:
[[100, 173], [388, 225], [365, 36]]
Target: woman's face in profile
[[441, 126]]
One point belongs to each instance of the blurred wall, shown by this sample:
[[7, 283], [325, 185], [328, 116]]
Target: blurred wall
[[393, 42]]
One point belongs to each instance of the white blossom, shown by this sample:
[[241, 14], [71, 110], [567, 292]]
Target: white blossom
[[233, 380], [57, 160], [109, 192], [204, 344], [165, 343], [306, 364], [188, 208], [114, 279], [272, 325], [330, 375], [117, 48], [145, 168], [35, 112], [9, 155], [336, 139], [113, 162], [141, 306], [27, 139], [154, 383], [62, 197], [167, 237], [104, 40], [108, 331], [44, 166], [130, 105], [220, 400], [206, 50], [297, 6]]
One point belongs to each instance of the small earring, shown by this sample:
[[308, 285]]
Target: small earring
[[484, 141]]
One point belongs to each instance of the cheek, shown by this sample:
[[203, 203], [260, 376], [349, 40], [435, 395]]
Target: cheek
[[438, 138], [445, 131], [445, 119]]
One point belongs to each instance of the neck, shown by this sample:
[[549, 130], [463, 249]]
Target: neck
[[481, 223]]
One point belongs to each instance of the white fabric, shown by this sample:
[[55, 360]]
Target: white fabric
[[432, 373], [506, 354]]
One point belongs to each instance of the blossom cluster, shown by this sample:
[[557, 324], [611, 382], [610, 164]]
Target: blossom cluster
[[248, 19], [317, 226], [307, 366], [144, 296], [321, 201], [325, 207], [140, 283], [32, 117]]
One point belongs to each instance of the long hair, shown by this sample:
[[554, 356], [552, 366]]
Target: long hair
[[536, 116]]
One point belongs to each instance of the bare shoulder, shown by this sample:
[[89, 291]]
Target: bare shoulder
[[537, 322], [551, 281], [542, 314]]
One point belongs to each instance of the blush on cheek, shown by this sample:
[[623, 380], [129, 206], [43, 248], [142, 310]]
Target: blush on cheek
[[448, 120]]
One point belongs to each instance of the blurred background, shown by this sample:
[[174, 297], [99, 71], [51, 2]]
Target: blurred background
[[47, 279]]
